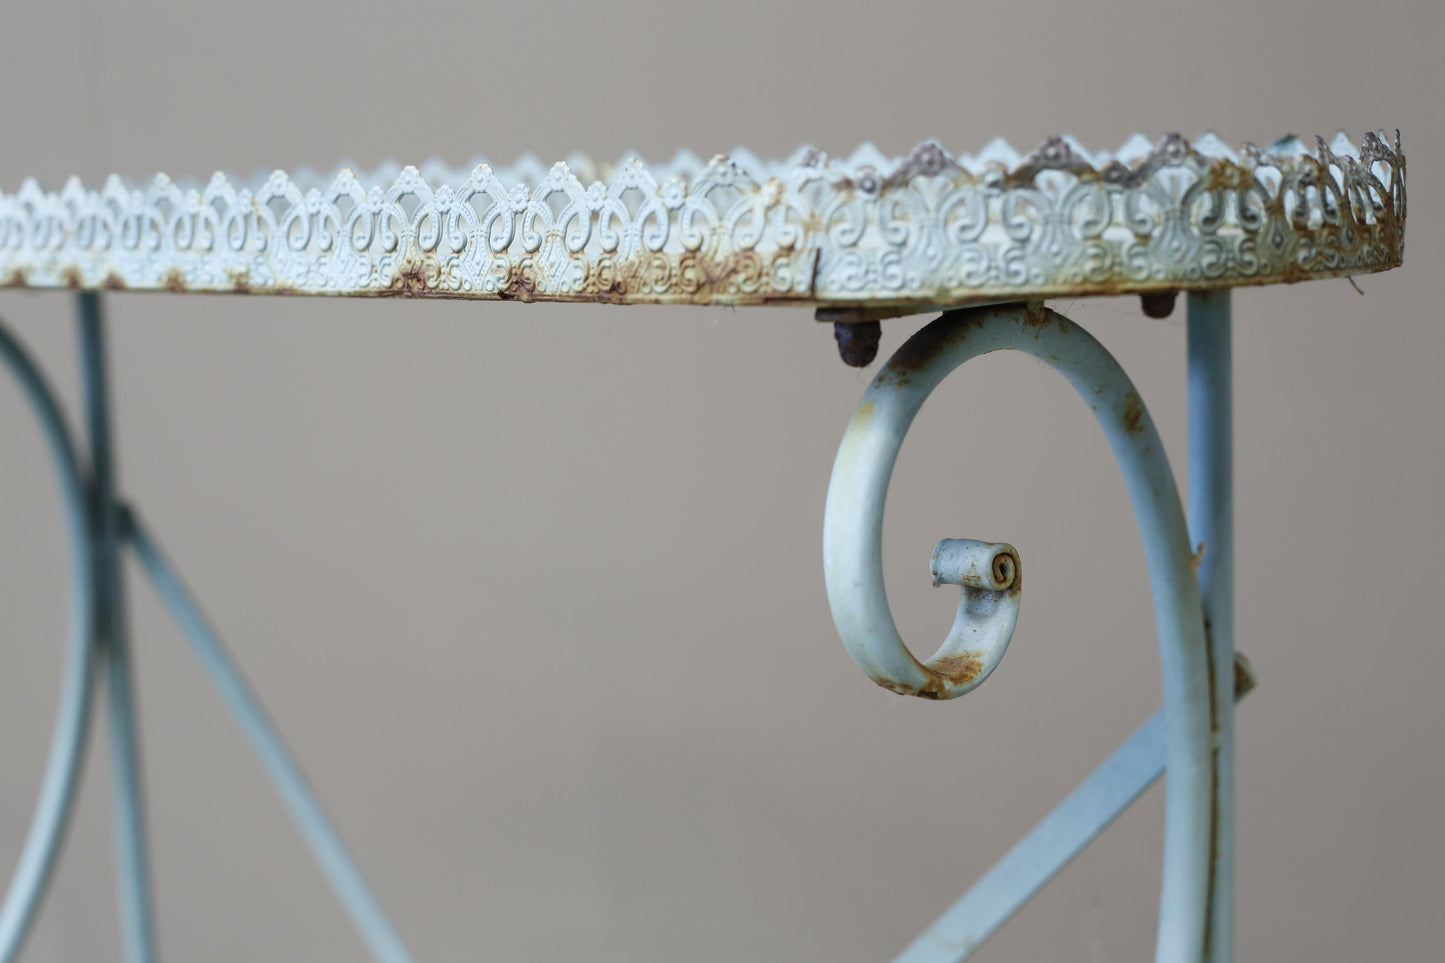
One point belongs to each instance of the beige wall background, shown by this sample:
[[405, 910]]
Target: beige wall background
[[536, 591]]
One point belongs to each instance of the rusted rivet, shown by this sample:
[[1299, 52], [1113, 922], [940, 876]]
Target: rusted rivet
[[1243, 675], [1158, 304], [857, 341]]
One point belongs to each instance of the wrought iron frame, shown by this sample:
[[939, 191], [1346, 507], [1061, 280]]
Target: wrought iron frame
[[1335, 206]]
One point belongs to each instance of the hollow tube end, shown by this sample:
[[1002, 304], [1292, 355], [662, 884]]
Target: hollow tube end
[[992, 566]]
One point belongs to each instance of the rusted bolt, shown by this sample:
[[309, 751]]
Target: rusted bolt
[[857, 341], [1158, 304], [1243, 675]]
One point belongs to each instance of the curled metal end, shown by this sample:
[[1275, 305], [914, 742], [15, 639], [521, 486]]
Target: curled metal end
[[980, 565], [991, 578]]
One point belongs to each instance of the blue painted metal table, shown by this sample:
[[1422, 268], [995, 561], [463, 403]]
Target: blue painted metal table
[[986, 239]]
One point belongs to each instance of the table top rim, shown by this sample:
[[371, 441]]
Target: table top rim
[[928, 230]]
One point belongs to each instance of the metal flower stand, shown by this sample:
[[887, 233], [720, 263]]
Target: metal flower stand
[[986, 239]]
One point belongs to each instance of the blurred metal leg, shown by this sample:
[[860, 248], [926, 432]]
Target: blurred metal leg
[[132, 858], [97, 526], [72, 715]]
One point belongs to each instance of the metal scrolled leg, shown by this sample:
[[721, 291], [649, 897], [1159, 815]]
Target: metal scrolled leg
[[853, 567], [72, 724]]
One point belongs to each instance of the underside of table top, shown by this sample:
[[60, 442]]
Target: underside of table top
[[867, 232]]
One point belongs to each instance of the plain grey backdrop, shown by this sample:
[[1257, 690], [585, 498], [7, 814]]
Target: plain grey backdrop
[[536, 591]]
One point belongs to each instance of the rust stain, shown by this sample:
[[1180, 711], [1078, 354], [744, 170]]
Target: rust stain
[[1133, 413], [16, 279], [175, 281], [1224, 175], [1243, 675], [240, 280], [944, 673], [1004, 567], [411, 279], [113, 282], [892, 686], [915, 354], [519, 288], [959, 669], [614, 293], [73, 278]]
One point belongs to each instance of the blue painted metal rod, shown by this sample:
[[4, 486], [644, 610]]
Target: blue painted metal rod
[[128, 802], [300, 800], [72, 714], [1050, 846], [1211, 529]]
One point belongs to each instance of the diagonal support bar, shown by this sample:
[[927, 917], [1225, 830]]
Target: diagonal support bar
[[300, 800], [1047, 849], [1049, 846]]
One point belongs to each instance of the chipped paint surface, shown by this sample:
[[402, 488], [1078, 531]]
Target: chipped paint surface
[[927, 230]]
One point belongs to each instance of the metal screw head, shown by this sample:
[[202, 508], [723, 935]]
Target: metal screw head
[[1158, 304], [857, 341]]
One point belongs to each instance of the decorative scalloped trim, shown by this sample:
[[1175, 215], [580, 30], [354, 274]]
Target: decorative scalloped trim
[[926, 229]]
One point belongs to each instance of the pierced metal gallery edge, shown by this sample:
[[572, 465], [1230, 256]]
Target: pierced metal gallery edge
[[984, 238]]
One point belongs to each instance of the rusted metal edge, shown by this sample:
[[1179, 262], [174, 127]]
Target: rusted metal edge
[[867, 234]]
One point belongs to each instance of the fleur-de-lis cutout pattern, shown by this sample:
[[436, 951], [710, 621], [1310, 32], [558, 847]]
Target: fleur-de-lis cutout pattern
[[929, 229]]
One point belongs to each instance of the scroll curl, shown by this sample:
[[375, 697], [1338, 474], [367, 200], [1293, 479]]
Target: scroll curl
[[990, 576]]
